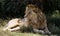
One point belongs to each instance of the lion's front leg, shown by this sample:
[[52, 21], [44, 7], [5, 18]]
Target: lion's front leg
[[8, 27], [14, 29], [47, 31], [38, 31]]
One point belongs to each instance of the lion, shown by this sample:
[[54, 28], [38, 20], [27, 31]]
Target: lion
[[37, 19], [19, 24], [33, 17]]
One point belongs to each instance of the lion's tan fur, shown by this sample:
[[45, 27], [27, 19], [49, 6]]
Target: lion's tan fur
[[36, 16], [37, 19]]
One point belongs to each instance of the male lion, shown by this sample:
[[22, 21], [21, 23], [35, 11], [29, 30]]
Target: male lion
[[37, 19], [34, 18]]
